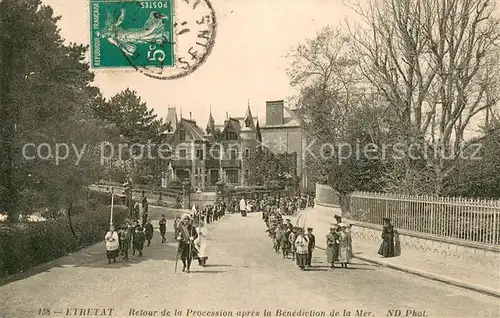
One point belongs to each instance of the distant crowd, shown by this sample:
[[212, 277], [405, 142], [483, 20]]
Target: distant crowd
[[294, 241], [130, 239]]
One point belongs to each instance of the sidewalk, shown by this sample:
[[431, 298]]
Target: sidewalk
[[453, 271]]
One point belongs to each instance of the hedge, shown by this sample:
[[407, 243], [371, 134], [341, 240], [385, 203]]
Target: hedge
[[28, 244], [172, 205], [104, 198]]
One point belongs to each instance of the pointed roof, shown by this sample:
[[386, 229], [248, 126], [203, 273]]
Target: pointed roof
[[192, 129], [233, 123], [210, 124], [258, 132], [249, 120]]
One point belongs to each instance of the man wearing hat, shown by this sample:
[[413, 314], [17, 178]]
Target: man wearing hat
[[387, 247], [288, 225], [186, 237], [311, 245]]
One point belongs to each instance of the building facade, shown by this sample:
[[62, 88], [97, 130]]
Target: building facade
[[283, 134], [228, 152], [218, 153]]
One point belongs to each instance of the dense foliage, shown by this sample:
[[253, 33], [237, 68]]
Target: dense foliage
[[395, 97], [28, 244], [139, 125], [54, 122], [274, 167], [45, 97]]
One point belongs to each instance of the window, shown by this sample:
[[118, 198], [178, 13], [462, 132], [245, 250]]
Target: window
[[215, 152], [182, 175], [232, 176], [246, 174], [182, 135], [232, 135], [199, 154], [182, 153], [233, 154], [247, 153], [248, 122], [214, 176]]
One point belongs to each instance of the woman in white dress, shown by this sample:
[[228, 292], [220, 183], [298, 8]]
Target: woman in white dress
[[201, 243]]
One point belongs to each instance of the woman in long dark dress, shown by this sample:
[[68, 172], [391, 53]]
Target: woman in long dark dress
[[387, 247], [332, 246]]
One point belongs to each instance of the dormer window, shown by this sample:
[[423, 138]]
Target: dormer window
[[182, 135], [248, 122], [232, 135]]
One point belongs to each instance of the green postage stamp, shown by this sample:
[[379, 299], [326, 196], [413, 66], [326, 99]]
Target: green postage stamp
[[128, 34]]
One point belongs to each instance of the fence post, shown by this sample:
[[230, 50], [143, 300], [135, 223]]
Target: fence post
[[386, 213], [433, 204], [495, 238]]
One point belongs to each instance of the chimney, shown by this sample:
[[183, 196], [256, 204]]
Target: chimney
[[274, 113], [190, 116]]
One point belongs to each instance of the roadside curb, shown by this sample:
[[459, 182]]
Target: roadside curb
[[435, 277], [431, 276], [428, 275]]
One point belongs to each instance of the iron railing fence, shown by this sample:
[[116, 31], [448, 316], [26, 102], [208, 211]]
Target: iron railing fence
[[462, 219]]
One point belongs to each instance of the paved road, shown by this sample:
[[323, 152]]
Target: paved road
[[244, 274]]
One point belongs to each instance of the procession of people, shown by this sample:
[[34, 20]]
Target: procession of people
[[191, 233], [299, 245]]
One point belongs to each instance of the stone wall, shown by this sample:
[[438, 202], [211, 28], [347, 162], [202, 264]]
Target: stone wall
[[202, 199], [430, 247], [326, 196], [322, 215]]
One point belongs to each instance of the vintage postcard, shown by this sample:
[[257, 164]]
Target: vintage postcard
[[249, 158]]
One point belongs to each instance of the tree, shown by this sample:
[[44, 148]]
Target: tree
[[477, 176], [136, 124], [45, 98], [436, 63], [336, 110]]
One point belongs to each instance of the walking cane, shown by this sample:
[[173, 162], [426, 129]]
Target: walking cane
[[177, 258], [190, 244]]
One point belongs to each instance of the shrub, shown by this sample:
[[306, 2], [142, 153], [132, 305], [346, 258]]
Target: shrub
[[28, 244], [172, 205], [104, 198]]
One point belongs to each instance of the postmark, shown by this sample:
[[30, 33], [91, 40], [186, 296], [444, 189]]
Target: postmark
[[165, 39]]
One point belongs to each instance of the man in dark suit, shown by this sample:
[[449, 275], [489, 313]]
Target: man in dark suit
[[310, 246], [186, 237]]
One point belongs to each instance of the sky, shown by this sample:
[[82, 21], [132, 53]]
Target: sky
[[247, 63]]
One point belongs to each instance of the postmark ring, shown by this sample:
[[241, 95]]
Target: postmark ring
[[144, 41]]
